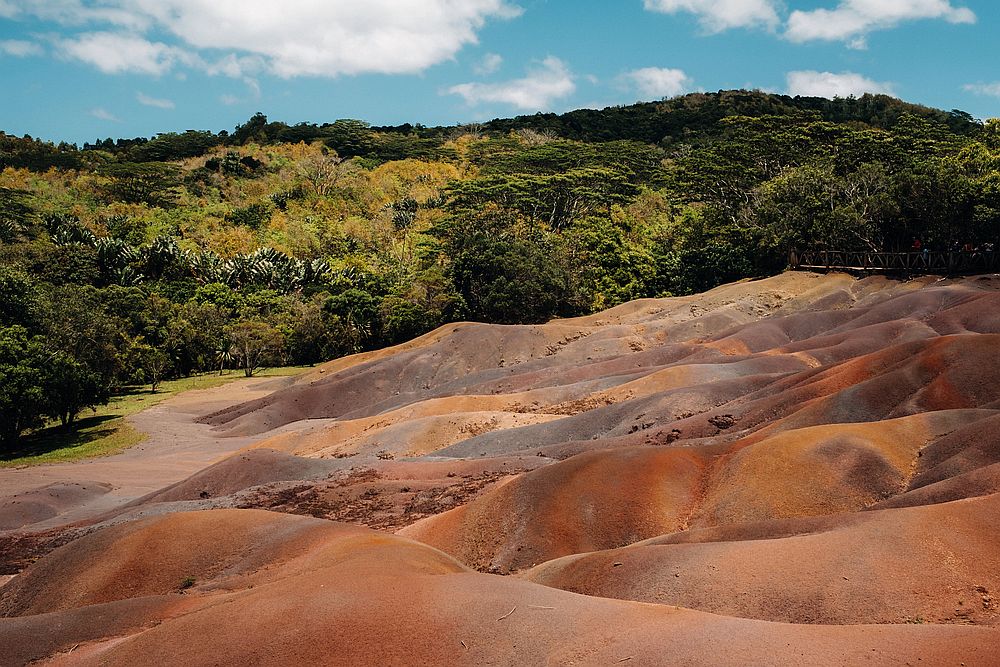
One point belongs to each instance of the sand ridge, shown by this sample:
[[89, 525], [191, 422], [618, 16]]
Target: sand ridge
[[798, 470], [329, 589]]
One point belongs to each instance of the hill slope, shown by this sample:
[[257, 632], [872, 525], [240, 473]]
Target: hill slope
[[804, 468]]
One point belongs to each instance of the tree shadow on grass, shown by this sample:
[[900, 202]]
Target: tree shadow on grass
[[54, 438], [134, 390]]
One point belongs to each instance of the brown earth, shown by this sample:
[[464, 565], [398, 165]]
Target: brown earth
[[239, 587], [799, 470]]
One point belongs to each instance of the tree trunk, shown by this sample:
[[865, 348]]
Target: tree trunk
[[8, 436]]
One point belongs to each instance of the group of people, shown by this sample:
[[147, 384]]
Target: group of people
[[956, 246]]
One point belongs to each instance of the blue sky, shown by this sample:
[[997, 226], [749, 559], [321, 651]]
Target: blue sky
[[77, 70]]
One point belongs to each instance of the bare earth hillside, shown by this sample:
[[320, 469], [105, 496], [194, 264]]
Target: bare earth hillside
[[799, 470]]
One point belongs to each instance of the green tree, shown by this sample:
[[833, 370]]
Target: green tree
[[506, 269], [980, 161], [309, 330], [403, 320], [937, 200], [254, 216], [175, 146], [254, 344], [23, 392], [71, 386], [152, 183], [349, 138], [252, 130], [19, 299], [61, 264], [193, 333], [153, 362], [357, 316], [811, 206], [616, 262], [78, 324], [16, 214], [555, 199]]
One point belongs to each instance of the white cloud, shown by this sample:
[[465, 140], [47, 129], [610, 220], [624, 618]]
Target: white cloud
[[490, 63], [305, 37], [229, 100], [159, 103], [852, 20], [544, 84], [75, 12], [719, 15], [809, 83], [115, 53], [989, 89], [289, 38], [656, 82], [20, 48], [253, 86], [236, 67], [103, 114]]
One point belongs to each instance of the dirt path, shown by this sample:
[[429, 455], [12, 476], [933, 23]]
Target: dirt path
[[176, 448]]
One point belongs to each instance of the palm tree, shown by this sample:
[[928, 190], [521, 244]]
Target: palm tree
[[65, 229], [207, 267], [116, 259]]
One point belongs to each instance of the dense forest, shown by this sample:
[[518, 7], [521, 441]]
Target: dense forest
[[129, 261]]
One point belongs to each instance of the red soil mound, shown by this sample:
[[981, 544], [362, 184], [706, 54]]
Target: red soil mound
[[894, 566], [612, 497], [46, 502], [589, 502], [157, 557], [820, 470], [347, 596], [458, 358], [804, 449], [238, 472], [415, 436], [978, 482], [468, 353]]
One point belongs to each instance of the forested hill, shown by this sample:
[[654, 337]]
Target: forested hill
[[693, 118], [130, 260]]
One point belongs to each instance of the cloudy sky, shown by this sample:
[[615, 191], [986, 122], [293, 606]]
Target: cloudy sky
[[80, 69]]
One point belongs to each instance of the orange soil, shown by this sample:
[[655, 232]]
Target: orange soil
[[799, 470], [312, 592]]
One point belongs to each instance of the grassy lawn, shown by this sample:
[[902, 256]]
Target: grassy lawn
[[105, 431]]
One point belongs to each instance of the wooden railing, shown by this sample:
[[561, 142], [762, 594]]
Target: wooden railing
[[967, 262]]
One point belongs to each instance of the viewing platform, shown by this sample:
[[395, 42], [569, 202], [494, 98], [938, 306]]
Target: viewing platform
[[935, 262]]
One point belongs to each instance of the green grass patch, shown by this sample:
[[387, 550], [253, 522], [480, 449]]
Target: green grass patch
[[105, 431]]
